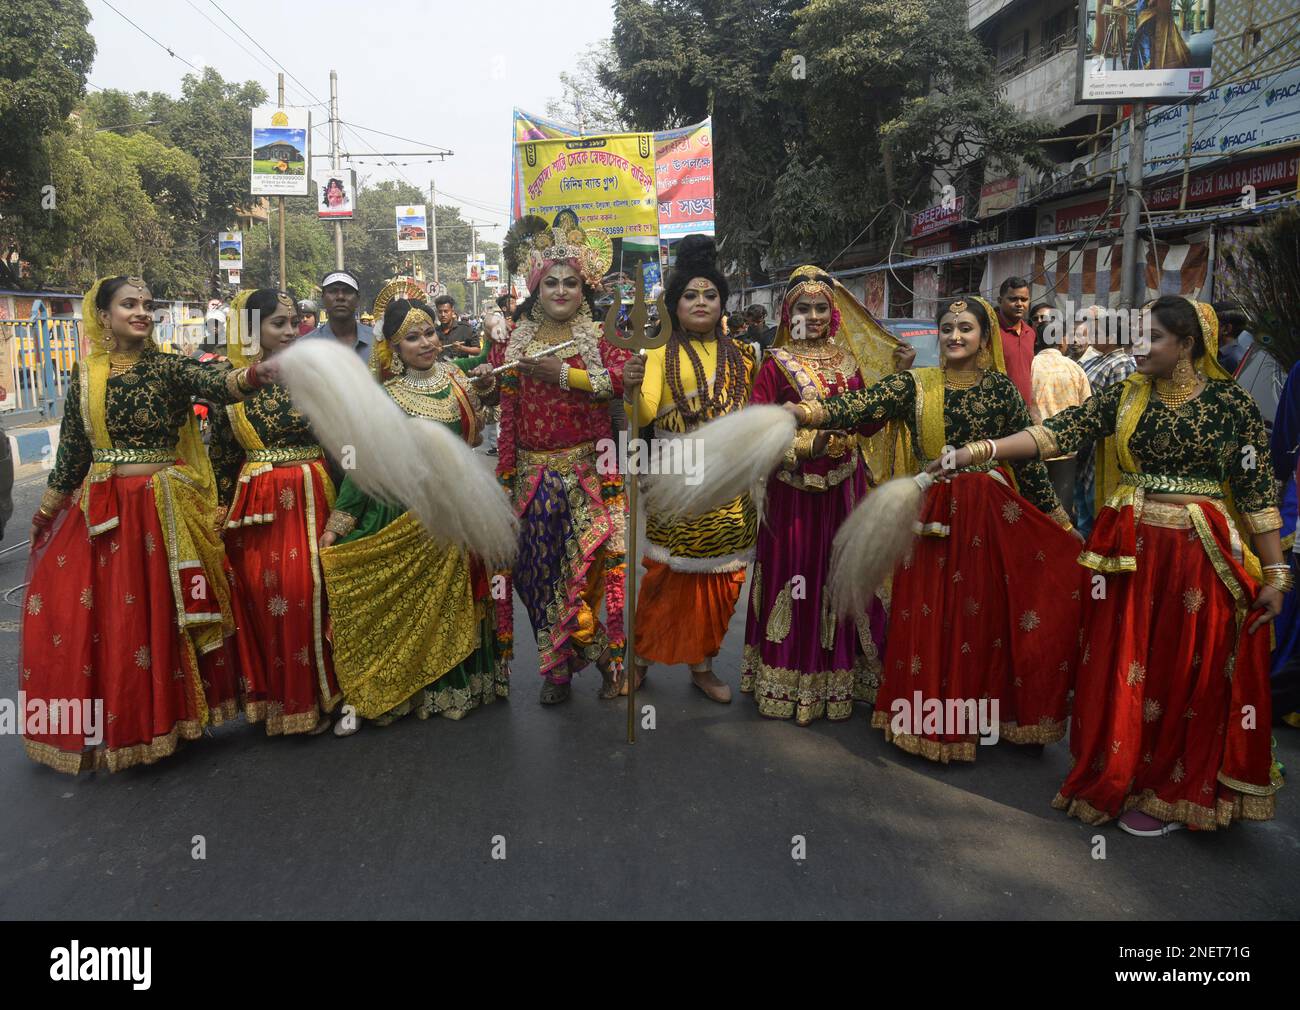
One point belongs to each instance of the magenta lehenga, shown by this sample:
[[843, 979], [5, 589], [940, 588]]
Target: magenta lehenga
[[800, 662]]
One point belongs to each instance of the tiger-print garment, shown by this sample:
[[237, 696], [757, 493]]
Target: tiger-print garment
[[718, 541]]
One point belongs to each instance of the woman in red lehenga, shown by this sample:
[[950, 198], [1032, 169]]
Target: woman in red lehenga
[[128, 596], [271, 476], [983, 621], [1172, 716]]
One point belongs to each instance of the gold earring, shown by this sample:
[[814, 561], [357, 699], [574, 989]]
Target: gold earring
[[1184, 373], [984, 359]]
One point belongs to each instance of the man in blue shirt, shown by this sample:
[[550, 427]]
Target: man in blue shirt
[[341, 294]]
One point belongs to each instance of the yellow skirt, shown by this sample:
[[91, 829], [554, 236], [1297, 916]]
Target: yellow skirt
[[402, 607]]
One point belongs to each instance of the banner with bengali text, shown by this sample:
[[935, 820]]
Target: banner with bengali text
[[683, 160], [608, 181]]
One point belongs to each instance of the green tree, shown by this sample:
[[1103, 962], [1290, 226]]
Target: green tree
[[118, 197], [679, 61], [209, 121], [45, 55], [895, 98], [824, 111]]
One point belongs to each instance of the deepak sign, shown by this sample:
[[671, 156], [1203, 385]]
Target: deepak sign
[[608, 181]]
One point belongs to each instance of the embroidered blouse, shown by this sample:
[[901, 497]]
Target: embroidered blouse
[[829, 377], [283, 430], [146, 405], [1218, 437], [992, 408]]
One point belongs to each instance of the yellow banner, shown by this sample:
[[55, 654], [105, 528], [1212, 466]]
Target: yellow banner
[[608, 181]]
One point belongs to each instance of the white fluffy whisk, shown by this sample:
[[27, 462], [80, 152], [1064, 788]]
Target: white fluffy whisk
[[735, 454], [396, 458], [874, 538]]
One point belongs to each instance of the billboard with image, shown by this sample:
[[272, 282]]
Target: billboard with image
[[1144, 50], [281, 152]]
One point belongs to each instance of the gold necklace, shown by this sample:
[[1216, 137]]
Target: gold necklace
[[963, 379], [431, 381], [821, 350], [550, 333], [119, 362], [1174, 394]]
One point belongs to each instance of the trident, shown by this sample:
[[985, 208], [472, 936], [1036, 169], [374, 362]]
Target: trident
[[637, 342]]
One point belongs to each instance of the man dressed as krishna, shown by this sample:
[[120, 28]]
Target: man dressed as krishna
[[554, 411]]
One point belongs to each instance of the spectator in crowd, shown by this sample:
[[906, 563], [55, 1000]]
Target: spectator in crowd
[[1234, 337], [1041, 314], [341, 294], [457, 337], [1106, 361], [506, 303], [756, 328], [1058, 383], [308, 316], [1017, 335]]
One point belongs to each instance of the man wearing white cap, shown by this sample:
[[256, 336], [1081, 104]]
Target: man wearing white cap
[[340, 295]]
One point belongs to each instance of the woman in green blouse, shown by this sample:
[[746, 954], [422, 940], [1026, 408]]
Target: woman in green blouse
[[1171, 721], [984, 610], [127, 614], [274, 484], [412, 616]]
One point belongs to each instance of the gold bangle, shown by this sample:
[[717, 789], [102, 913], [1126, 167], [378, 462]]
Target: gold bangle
[[978, 452], [1282, 583], [341, 523], [814, 414], [52, 501], [1048, 446]]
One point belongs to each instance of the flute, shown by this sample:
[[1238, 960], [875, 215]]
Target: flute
[[550, 350]]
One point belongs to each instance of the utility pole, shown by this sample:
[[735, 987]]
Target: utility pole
[[473, 247], [1133, 271], [283, 284], [433, 221], [334, 162]]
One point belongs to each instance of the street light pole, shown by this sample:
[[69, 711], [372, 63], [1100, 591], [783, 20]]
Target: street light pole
[[1132, 272], [334, 161], [283, 284], [433, 220]]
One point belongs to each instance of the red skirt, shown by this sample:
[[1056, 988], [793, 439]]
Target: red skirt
[[101, 634], [984, 625], [272, 538], [1172, 712]]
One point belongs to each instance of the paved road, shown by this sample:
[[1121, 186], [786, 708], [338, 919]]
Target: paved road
[[696, 820]]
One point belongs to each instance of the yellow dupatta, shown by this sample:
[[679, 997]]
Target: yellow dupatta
[[185, 496], [873, 347], [1115, 457]]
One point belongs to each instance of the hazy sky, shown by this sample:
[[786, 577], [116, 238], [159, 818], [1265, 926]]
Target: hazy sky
[[442, 72]]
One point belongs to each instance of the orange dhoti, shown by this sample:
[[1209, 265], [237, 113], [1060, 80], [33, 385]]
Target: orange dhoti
[[682, 617]]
